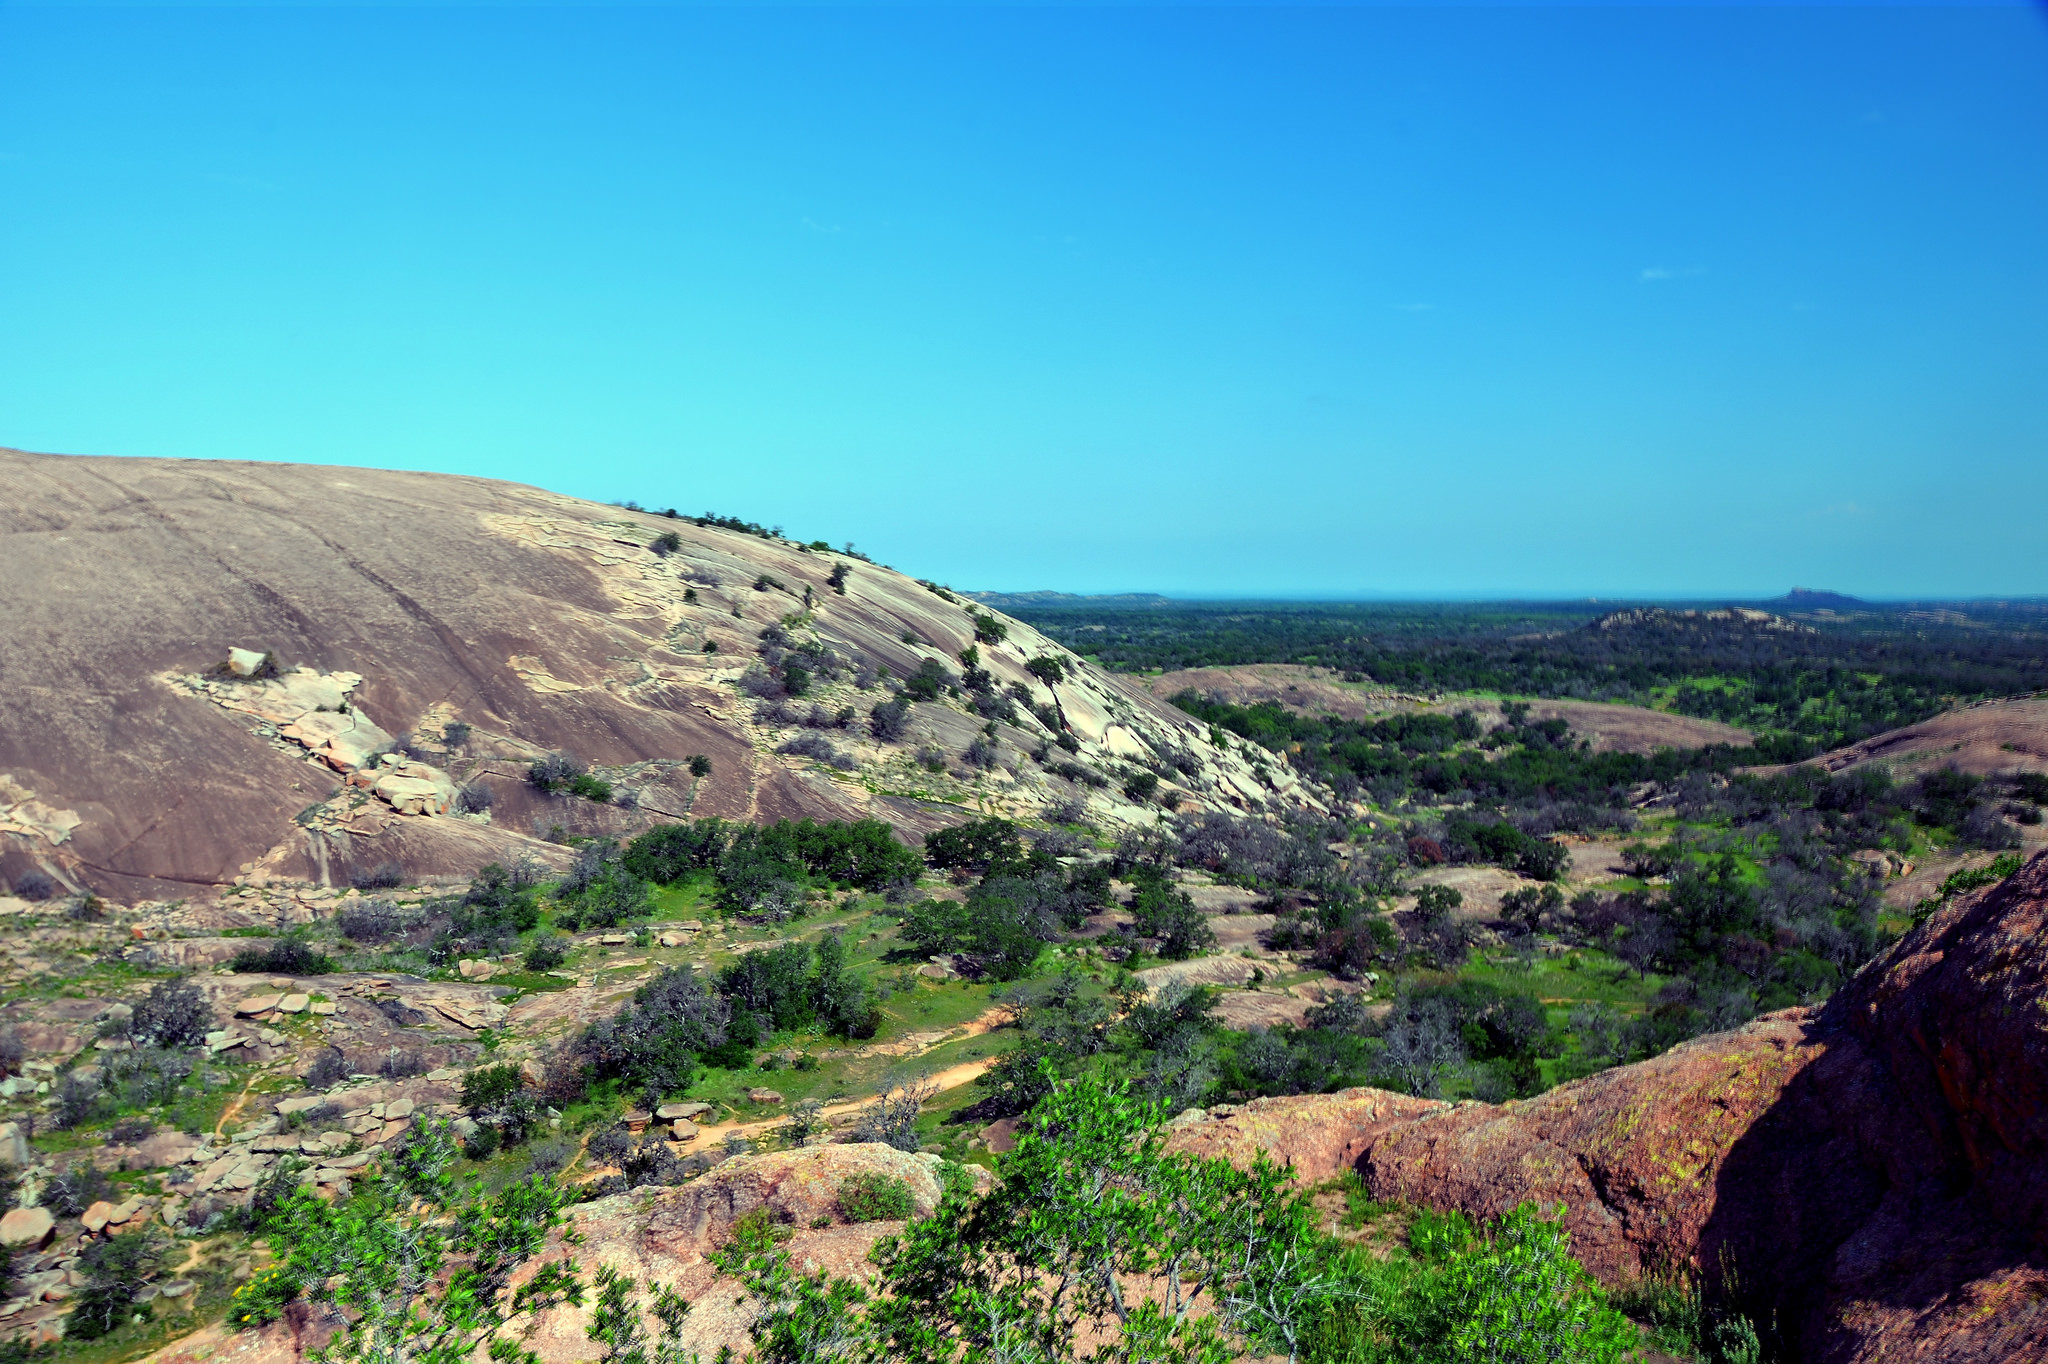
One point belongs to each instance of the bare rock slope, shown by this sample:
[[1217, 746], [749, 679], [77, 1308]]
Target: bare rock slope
[[1874, 1173], [394, 604]]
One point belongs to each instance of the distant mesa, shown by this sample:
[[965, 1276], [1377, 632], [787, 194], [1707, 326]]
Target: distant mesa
[[1812, 599]]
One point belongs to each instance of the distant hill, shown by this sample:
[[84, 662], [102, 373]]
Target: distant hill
[[1721, 620], [1810, 599], [1011, 601]]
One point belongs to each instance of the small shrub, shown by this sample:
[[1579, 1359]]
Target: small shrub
[[371, 921], [34, 885], [383, 876], [928, 682], [173, 1014], [1067, 810], [496, 1098], [115, 1270], [282, 956], [473, 798], [71, 1193], [1426, 852], [889, 720], [757, 681], [988, 629], [590, 788], [482, 1143], [546, 953], [78, 1101], [550, 1157], [868, 1197], [983, 752], [261, 1300], [554, 771], [666, 543], [892, 1118], [699, 765], [820, 749], [145, 1076], [756, 1232]]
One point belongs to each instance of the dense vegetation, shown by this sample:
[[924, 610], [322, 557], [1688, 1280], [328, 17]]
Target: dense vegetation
[[1817, 685], [1447, 757]]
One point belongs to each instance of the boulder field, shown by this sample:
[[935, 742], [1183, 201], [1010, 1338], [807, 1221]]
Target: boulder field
[[1870, 1176]]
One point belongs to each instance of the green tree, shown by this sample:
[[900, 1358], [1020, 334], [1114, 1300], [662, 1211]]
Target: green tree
[[417, 1271], [1047, 669], [1510, 1295], [497, 1097]]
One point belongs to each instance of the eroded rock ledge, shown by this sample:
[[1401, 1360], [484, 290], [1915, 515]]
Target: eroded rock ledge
[[1874, 1172]]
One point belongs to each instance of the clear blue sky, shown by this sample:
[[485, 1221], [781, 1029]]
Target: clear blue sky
[[1321, 301]]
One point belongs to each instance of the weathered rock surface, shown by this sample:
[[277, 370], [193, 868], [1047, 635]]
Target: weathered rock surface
[[392, 604], [26, 1227], [1318, 1136], [1874, 1172]]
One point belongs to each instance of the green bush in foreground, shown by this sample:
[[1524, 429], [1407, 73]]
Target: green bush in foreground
[[1037, 1270], [874, 1198]]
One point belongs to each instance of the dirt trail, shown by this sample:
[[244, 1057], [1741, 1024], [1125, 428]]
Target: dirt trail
[[952, 1077], [229, 1113]]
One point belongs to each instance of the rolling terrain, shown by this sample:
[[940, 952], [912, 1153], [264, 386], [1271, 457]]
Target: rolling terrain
[[265, 723]]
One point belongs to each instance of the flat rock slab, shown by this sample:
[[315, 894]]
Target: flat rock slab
[[1200, 971], [257, 1004]]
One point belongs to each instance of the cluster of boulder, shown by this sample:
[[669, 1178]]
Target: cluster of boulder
[[314, 711]]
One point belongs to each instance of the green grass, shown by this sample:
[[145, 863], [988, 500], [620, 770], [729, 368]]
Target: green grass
[[689, 899]]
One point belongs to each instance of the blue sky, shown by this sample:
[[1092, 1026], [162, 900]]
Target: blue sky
[[1320, 301]]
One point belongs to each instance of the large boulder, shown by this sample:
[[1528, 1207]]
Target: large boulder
[[1318, 1136], [26, 1228], [664, 1235], [1871, 1177]]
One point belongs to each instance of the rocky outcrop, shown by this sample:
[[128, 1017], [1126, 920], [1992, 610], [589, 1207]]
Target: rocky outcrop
[[662, 1236], [146, 755], [1870, 1179], [1318, 1136]]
